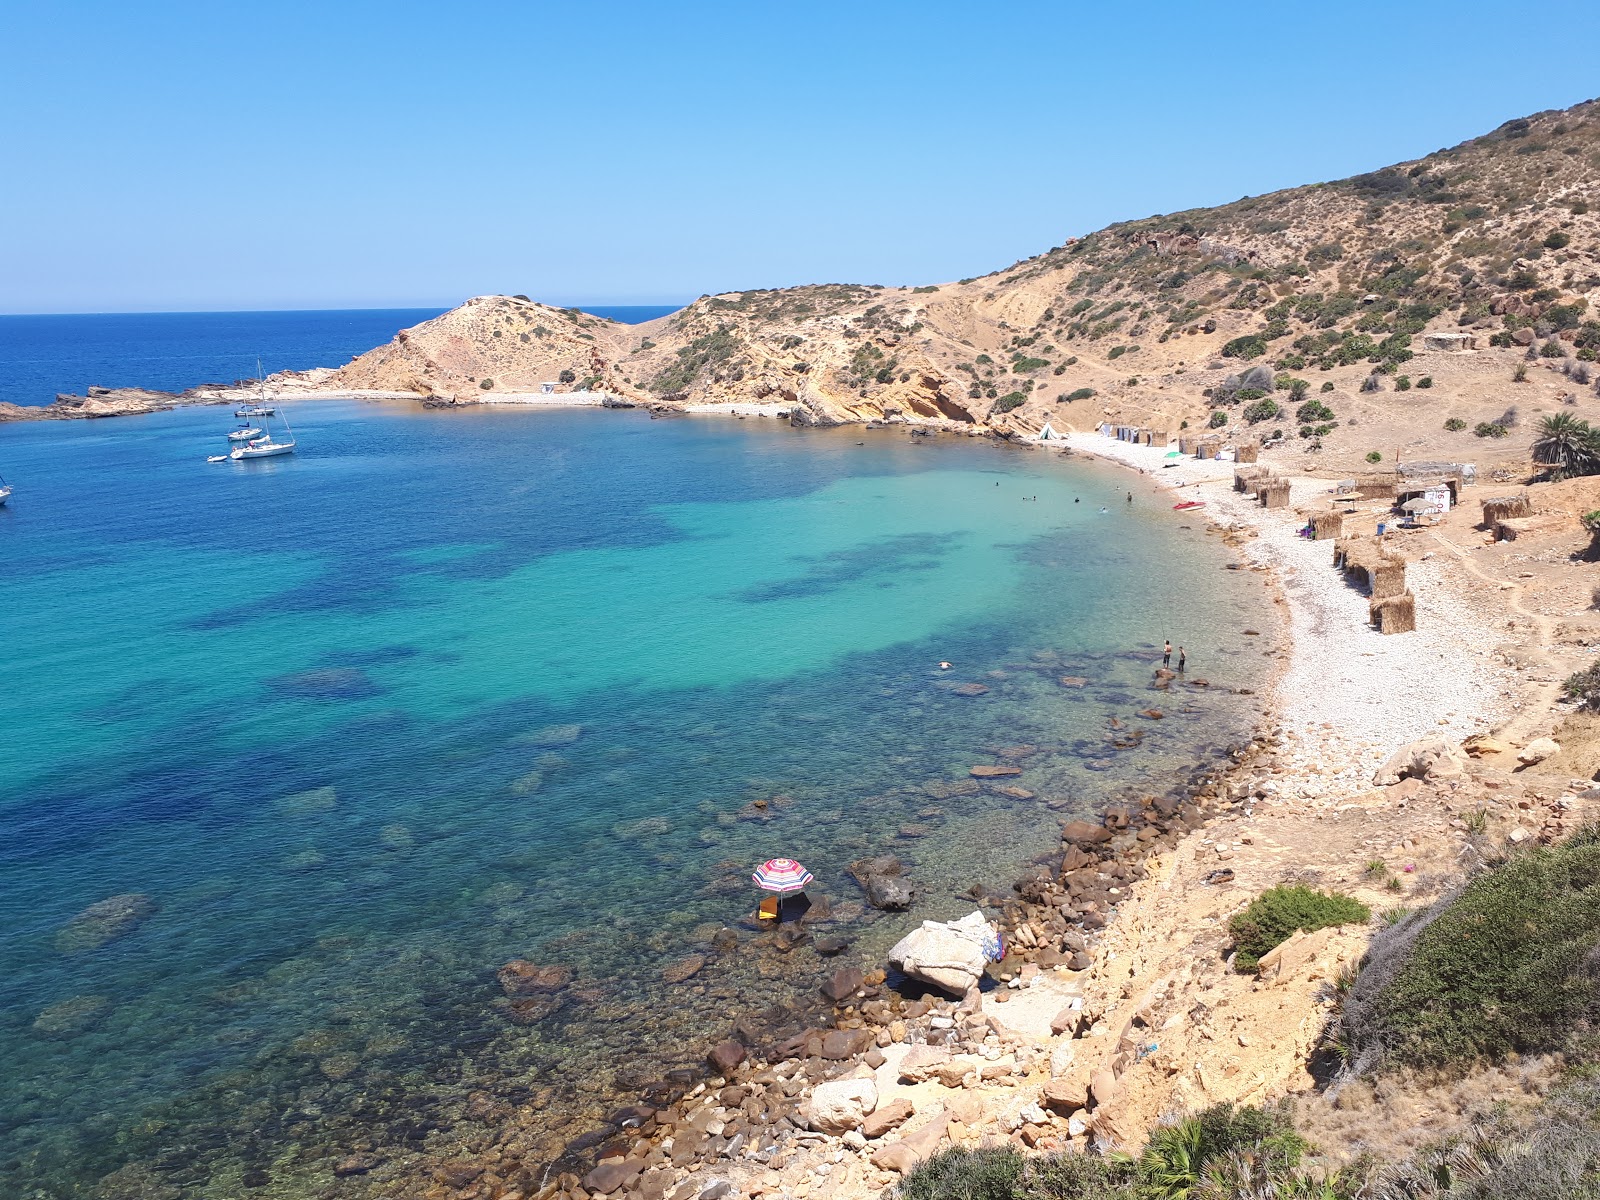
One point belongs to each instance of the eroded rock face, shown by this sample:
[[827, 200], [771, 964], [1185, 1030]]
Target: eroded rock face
[[105, 921]]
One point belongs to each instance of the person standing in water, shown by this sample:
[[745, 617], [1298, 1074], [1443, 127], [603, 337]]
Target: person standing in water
[[1130, 497], [1166, 655], [1182, 658]]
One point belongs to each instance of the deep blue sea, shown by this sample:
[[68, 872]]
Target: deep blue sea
[[170, 352], [298, 752]]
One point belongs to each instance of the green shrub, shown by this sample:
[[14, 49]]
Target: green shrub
[[1556, 240], [1313, 410], [1327, 387], [1374, 456], [1402, 383], [1181, 1159], [1249, 393], [920, 291], [486, 384], [1502, 968], [1455, 424], [1079, 394], [1489, 429], [1218, 420], [1251, 345], [1279, 912], [1005, 1173], [982, 359], [1023, 365], [1262, 410], [1117, 351], [1552, 349], [1584, 686], [568, 375], [990, 1173], [1425, 382], [1009, 401], [1520, 374]]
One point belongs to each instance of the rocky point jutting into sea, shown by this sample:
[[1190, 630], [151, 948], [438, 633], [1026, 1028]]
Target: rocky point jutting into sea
[[455, 900]]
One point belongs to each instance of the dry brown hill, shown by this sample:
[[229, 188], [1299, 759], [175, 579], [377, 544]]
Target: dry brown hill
[[1144, 321]]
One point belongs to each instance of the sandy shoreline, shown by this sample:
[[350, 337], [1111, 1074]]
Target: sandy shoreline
[[1339, 693]]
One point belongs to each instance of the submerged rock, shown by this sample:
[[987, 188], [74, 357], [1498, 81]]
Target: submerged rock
[[105, 921], [552, 735], [313, 801], [72, 1015], [519, 977], [326, 683]]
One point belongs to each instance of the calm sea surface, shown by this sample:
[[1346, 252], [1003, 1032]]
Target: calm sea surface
[[345, 731], [170, 352]]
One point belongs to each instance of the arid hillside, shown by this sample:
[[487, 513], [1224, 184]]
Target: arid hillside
[[1330, 287]]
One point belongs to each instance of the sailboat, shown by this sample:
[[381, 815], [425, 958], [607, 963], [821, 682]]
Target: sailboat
[[260, 408], [246, 433], [5, 490], [265, 446]]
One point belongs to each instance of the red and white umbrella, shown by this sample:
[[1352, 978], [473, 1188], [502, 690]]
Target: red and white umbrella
[[781, 875]]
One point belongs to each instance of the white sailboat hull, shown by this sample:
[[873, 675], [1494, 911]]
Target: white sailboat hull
[[267, 450], [5, 494]]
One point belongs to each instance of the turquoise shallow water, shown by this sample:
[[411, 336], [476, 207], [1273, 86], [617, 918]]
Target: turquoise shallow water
[[444, 689]]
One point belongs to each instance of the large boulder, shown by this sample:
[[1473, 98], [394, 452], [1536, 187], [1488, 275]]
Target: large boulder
[[890, 893], [1430, 758], [1538, 750], [949, 955], [841, 1105]]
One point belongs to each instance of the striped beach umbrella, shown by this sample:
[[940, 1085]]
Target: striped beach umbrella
[[781, 875]]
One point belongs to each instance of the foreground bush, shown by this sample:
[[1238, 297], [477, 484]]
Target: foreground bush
[[1223, 1153], [1278, 913], [1504, 967]]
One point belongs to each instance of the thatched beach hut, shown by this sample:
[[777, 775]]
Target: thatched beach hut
[[1381, 573], [1247, 479], [1395, 614], [1274, 493], [1327, 525], [1246, 452], [1502, 508]]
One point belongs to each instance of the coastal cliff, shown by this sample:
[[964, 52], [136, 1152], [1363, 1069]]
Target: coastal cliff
[[1448, 268]]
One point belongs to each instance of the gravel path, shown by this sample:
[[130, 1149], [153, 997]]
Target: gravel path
[[1350, 695]]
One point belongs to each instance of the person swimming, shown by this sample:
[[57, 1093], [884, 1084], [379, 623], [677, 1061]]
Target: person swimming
[[1103, 508]]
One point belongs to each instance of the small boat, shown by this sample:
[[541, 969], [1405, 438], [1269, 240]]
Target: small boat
[[248, 433], [5, 491], [1188, 504], [216, 458]]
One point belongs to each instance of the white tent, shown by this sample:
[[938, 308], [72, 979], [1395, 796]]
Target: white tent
[[1047, 434]]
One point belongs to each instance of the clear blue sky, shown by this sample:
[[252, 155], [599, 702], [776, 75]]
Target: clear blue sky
[[167, 155]]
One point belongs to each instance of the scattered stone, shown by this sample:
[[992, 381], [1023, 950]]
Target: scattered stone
[[841, 1104], [886, 1117], [519, 978], [842, 984], [725, 1057], [612, 1174], [994, 771], [684, 968], [921, 1062], [1536, 751], [1429, 758], [355, 1164], [905, 1154]]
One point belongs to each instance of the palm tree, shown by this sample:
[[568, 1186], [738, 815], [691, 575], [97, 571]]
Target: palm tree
[[1567, 445]]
